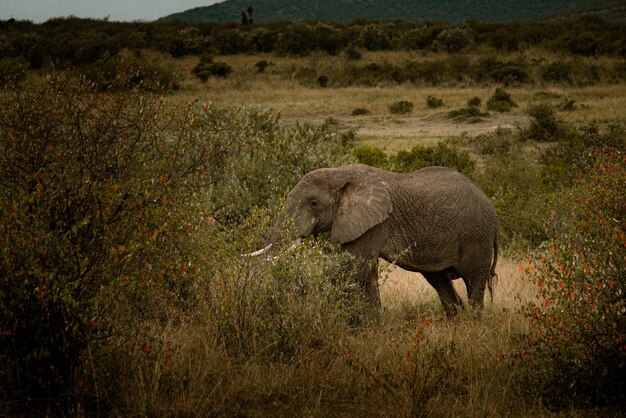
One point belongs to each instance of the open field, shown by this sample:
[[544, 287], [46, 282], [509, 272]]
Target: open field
[[295, 102]]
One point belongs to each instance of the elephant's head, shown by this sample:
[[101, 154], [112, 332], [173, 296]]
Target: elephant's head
[[347, 201]]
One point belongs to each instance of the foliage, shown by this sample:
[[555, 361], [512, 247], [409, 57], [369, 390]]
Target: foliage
[[544, 126], [260, 160], [91, 194], [433, 102], [515, 187], [474, 102], [442, 154], [256, 303], [401, 107], [500, 101], [11, 70], [452, 40], [207, 68], [576, 347], [126, 72], [371, 156], [106, 200]]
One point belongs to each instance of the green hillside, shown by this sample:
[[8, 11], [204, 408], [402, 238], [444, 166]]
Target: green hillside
[[452, 11]]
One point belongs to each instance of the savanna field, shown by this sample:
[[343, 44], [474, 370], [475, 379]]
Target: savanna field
[[140, 161]]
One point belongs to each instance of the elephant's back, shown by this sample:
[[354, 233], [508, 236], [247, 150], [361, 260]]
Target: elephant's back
[[447, 193]]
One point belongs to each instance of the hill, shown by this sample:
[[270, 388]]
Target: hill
[[451, 11], [609, 10]]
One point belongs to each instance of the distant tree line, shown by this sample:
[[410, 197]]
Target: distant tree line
[[73, 42]]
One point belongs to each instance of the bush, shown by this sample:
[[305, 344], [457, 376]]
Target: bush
[[371, 156], [470, 114], [401, 107], [125, 72], [353, 53], [544, 125], [452, 40], [261, 66], [509, 74], [322, 81], [433, 102], [474, 102], [576, 350], [107, 202], [95, 202], [11, 70], [359, 111], [515, 187], [442, 154], [500, 101], [207, 68], [499, 142], [567, 104], [558, 72]]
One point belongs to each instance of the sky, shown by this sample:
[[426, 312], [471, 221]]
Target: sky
[[116, 10]]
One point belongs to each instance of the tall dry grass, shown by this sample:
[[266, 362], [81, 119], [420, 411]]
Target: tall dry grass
[[409, 360]]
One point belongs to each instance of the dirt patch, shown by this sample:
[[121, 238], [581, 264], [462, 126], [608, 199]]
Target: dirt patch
[[394, 133], [434, 126]]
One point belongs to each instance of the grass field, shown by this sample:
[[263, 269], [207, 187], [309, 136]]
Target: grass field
[[277, 90]]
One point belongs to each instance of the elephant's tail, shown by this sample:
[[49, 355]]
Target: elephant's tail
[[493, 278]]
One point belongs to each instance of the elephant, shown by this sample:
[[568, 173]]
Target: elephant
[[434, 221]]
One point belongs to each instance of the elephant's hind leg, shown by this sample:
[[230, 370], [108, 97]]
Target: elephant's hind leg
[[476, 282], [450, 299]]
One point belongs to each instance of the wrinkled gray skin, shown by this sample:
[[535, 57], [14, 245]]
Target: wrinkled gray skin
[[434, 221]]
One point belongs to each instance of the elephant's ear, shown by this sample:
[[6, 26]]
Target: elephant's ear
[[364, 203]]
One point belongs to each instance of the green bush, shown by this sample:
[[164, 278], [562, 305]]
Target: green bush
[[576, 350], [474, 102], [500, 101], [561, 162], [371, 156], [261, 160], [442, 154], [401, 107], [433, 102], [514, 185], [294, 303], [544, 125]]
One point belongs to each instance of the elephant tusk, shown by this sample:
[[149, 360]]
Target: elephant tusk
[[259, 252], [269, 247]]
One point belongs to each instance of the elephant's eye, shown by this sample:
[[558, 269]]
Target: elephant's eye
[[314, 204]]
